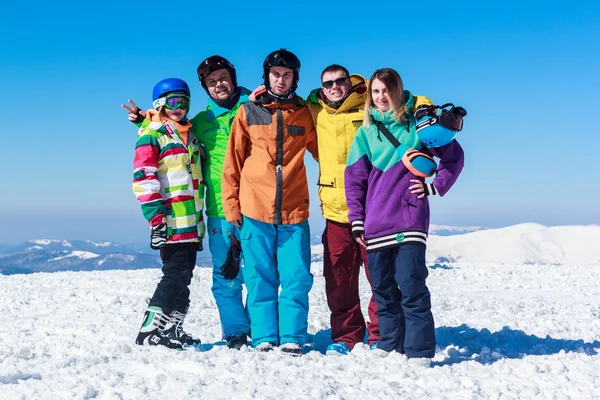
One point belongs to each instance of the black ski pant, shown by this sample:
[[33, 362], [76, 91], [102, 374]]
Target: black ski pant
[[173, 292]]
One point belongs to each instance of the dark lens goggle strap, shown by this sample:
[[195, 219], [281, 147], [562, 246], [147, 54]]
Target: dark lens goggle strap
[[283, 59], [212, 64], [451, 118]]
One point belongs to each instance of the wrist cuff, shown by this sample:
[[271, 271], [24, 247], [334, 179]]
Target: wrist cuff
[[429, 189], [358, 228]]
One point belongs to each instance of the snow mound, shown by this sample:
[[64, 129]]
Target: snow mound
[[524, 243]]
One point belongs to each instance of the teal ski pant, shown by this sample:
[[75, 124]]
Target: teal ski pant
[[274, 256], [227, 294]]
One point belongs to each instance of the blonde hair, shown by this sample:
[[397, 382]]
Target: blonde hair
[[395, 89]]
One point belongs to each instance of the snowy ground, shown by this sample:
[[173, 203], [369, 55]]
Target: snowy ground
[[504, 331]]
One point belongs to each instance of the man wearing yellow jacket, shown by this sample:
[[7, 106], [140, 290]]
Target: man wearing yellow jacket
[[337, 111]]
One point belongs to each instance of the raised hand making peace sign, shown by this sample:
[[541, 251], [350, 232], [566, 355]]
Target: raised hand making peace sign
[[135, 114]]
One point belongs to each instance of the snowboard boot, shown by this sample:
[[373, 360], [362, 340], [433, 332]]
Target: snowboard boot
[[265, 347], [152, 332], [237, 341], [291, 349], [174, 330]]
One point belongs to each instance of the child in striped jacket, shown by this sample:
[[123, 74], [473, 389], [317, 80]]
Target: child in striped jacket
[[166, 180]]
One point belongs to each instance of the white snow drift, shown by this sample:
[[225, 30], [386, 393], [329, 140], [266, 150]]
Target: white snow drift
[[504, 331]]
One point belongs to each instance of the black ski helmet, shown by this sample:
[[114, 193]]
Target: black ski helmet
[[282, 58], [212, 64]]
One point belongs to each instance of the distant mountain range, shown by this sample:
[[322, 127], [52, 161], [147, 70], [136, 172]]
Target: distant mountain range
[[524, 243], [76, 255], [447, 230], [84, 255]]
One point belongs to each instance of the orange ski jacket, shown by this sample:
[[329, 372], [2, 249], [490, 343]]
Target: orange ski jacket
[[264, 176]]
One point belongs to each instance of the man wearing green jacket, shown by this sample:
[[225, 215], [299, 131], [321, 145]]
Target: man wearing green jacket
[[212, 128]]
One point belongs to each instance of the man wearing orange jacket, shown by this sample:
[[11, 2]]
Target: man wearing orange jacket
[[265, 191]]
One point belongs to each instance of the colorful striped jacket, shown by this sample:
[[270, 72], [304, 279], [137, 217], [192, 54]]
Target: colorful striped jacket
[[166, 177]]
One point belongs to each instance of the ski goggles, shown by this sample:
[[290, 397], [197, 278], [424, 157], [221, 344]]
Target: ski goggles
[[338, 81], [173, 101], [212, 64], [450, 117]]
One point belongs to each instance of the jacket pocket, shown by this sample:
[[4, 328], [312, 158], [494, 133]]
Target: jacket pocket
[[245, 233], [295, 130], [356, 123], [328, 181], [387, 211]]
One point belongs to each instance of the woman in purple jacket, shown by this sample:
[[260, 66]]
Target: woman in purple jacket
[[389, 212]]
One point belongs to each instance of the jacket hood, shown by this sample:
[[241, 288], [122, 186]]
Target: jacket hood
[[154, 116]]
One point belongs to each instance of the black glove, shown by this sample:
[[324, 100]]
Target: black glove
[[139, 117], [200, 246], [158, 236], [231, 268]]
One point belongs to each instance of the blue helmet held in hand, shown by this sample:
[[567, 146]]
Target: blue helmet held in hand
[[438, 129]]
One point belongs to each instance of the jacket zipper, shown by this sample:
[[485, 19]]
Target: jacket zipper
[[277, 220]]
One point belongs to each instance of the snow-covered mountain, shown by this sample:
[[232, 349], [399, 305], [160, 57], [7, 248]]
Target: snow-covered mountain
[[448, 230], [76, 255], [524, 243], [44, 255]]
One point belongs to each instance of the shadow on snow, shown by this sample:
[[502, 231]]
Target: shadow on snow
[[463, 343]]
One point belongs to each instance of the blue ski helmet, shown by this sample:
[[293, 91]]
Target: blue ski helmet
[[432, 134], [169, 85], [437, 130]]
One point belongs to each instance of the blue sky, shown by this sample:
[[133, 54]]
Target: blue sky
[[527, 72]]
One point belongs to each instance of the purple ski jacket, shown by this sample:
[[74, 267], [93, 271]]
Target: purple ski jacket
[[381, 206]]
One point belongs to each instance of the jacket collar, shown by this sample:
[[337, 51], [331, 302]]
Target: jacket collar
[[214, 110]]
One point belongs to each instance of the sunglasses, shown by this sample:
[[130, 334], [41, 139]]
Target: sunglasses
[[338, 81], [177, 100], [212, 64]]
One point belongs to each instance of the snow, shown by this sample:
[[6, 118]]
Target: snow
[[523, 243], [77, 254], [43, 242], [456, 229], [124, 257], [46, 242], [100, 244], [504, 330]]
